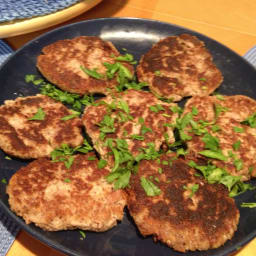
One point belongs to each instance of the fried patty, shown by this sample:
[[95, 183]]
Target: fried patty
[[137, 117], [182, 217], [237, 107], [221, 117], [179, 66], [55, 198], [62, 63], [25, 138]]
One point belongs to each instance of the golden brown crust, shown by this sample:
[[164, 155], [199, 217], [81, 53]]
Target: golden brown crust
[[205, 220], [26, 138], [236, 109], [239, 107], [61, 62], [179, 66], [56, 198], [139, 103]]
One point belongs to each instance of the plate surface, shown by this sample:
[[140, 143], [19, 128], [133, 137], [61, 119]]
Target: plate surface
[[137, 36]]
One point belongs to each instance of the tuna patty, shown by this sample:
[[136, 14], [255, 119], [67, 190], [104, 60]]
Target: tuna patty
[[55, 198], [62, 63], [136, 117], [25, 138], [188, 213], [179, 66], [218, 132]]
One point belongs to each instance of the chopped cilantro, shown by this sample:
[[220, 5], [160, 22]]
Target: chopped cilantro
[[250, 121], [249, 205], [69, 161], [194, 111], [176, 109], [213, 154], [4, 181], [39, 115], [71, 116], [75, 100], [156, 108], [158, 73], [65, 153], [219, 109], [210, 142], [124, 106], [137, 137], [238, 164], [238, 129], [145, 129], [82, 233], [236, 145], [127, 57], [160, 170], [192, 188], [102, 163], [149, 187], [92, 72], [215, 128], [164, 162], [214, 174], [141, 120], [91, 158], [219, 97]]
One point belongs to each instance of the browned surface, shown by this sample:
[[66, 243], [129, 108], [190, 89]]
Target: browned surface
[[238, 108], [139, 103], [26, 138], [179, 66], [199, 222], [56, 198], [61, 64]]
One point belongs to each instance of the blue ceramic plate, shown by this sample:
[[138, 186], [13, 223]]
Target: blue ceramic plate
[[137, 36]]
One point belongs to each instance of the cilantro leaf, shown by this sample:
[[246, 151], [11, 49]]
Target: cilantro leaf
[[149, 187], [102, 163], [192, 188], [250, 121], [236, 145], [248, 205], [39, 115], [213, 154], [92, 72]]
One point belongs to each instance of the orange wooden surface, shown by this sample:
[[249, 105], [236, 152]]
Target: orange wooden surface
[[233, 23]]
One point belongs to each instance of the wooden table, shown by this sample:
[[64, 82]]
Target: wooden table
[[233, 23]]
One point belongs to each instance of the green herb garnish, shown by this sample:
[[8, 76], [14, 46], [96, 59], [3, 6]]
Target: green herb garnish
[[149, 187], [39, 115], [92, 72]]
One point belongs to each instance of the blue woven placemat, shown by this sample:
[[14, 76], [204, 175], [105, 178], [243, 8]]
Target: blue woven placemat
[[20, 9], [8, 229]]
